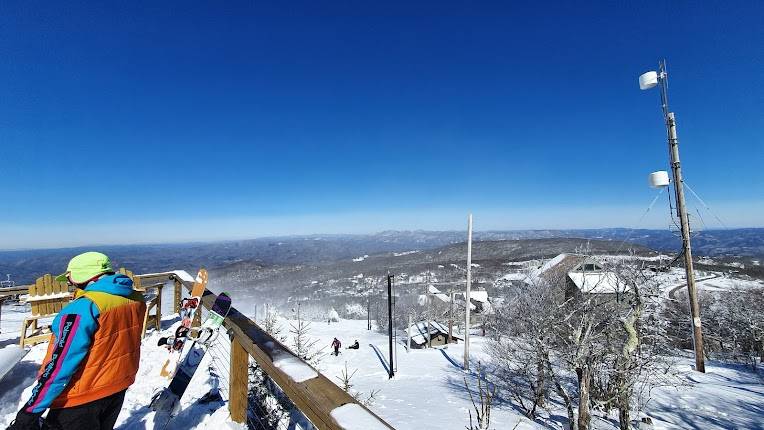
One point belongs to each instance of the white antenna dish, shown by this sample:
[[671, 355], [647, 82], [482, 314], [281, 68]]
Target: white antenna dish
[[648, 80], [658, 179]]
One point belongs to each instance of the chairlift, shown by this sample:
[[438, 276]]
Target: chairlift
[[7, 283]]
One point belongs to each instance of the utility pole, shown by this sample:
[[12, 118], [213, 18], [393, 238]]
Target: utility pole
[[681, 209], [427, 299], [368, 307], [451, 317], [467, 296], [408, 335], [390, 321]]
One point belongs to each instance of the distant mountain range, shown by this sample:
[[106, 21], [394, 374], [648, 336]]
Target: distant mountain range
[[25, 266]]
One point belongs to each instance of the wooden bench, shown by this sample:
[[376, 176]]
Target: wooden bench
[[46, 297]]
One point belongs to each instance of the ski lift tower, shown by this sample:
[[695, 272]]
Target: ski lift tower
[[646, 81]]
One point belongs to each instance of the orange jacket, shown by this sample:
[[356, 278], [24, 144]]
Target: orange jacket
[[95, 348]]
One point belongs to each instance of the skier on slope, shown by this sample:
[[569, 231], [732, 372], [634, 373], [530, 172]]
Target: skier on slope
[[336, 344], [94, 352]]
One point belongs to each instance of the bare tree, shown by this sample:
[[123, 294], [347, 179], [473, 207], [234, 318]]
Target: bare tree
[[485, 393], [521, 350], [603, 336]]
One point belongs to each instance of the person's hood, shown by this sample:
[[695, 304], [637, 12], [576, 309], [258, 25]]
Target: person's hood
[[118, 284]]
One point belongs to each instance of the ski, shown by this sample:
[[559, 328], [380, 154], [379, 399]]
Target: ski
[[168, 400], [188, 308]]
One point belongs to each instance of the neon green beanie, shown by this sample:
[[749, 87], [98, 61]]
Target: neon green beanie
[[85, 267]]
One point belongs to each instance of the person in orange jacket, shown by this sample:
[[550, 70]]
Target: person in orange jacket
[[94, 351]]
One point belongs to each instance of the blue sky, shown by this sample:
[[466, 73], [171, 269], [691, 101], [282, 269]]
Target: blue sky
[[162, 121]]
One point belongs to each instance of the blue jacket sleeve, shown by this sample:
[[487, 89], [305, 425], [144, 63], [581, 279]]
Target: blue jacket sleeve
[[73, 328]]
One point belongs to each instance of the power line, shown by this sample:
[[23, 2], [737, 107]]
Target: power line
[[704, 204]]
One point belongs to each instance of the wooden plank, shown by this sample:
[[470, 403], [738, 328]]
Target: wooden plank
[[239, 379], [47, 306], [18, 289], [57, 289], [33, 289], [137, 284]]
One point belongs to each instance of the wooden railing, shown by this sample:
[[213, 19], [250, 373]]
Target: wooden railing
[[315, 395]]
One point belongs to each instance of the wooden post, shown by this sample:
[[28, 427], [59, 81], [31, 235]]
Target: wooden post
[[178, 295], [237, 403], [159, 307]]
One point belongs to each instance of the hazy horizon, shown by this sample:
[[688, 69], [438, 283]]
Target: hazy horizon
[[55, 236]]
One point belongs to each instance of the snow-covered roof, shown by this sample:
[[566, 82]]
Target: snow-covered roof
[[419, 331], [556, 268], [585, 272], [597, 282], [479, 296]]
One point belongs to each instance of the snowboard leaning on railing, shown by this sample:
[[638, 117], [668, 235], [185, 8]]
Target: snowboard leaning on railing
[[168, 400], [188, 309]]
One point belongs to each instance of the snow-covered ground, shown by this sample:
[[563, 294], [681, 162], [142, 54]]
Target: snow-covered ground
[[428, 389], [427, 392]]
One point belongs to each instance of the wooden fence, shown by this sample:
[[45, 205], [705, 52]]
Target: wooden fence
[[315, 396]]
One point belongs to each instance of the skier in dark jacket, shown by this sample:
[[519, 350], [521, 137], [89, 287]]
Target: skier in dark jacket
[[355, 345], [94, 351], [336, 344]]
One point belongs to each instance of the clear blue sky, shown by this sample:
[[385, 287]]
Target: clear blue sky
[[164, 121]]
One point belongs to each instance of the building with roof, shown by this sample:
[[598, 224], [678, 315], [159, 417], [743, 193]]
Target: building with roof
[[421, 332], [480, 303], [580, 274]]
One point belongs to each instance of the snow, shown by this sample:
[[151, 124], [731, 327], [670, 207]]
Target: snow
[[597, 282], [427, 391], [725, 397], [354, 417], [359, 259], [479, 296], [9, 356], [39, 298], [294, 368], [515, 276], [15, 387], [401, 254], [182, 274], [551, 263]]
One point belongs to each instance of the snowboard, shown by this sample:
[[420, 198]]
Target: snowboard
[[188, 308], [168, 400], [9, 357]]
